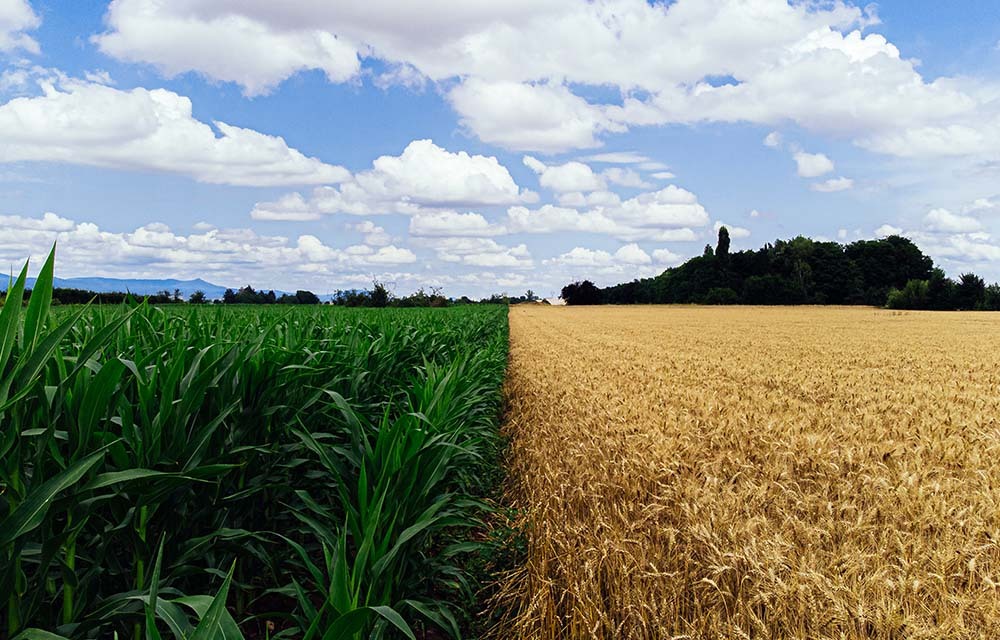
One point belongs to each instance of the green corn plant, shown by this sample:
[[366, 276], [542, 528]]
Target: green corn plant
[[213, 620], [27, 347], [399, 484]]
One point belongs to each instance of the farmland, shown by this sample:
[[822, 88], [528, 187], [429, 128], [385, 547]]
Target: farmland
[[229, 471], [309, 473], [755, 473]]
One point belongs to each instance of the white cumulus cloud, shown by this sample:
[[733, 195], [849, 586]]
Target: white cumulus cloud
[[946, 221], [16, 19], [632, 254], [480, 252], [374, 235], [572, 176], [225, 45], [887, 230], [514, 70], [629, 261], [530, 117], [423, 176], [659, 216], [225, 256], [451, 223], [833, 185], [773, 140], [812, 165], [291, 207], [667, 257], [148, 130], [583, 257], [626, 178]]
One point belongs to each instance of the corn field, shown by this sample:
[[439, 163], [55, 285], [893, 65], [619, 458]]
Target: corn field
[[687, 472], [227, 472]]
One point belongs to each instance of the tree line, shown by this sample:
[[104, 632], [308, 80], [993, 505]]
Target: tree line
[[891, 272], [66, 295], [376, 297], [379, 296], [245, 295]]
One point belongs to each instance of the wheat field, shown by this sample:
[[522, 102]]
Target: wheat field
[[754, 473]]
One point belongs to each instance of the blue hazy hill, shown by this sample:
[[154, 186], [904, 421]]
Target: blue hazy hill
[[137, 286]]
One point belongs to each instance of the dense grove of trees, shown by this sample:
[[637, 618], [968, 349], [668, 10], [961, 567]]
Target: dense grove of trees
[[941, 293], [379, 296], [247, 295], [890, 271]]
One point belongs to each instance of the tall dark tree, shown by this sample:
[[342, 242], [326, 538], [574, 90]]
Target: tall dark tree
[[940, 291], [970, 293], [379, 295], [722, 248], [306, 297], [198, 297], [247, 295], [792, 261], [992, 300]]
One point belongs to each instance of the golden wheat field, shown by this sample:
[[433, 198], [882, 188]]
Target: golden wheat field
[[745, 472]]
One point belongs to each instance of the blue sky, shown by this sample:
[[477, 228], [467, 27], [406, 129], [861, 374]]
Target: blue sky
[[486, 148]]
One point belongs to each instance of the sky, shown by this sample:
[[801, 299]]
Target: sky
[[486, 147]]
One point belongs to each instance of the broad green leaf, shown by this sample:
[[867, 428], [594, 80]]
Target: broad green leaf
[[342, 593], [38, 305], [170, 613], [154, 587], [102, 480], [439, 615], [30, 513], [9, 315], [27, 372], [396, 620], [353, 622], [348, 625], [211, 626], [38, 634]]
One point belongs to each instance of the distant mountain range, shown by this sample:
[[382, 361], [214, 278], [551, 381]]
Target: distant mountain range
[[136, 286]]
